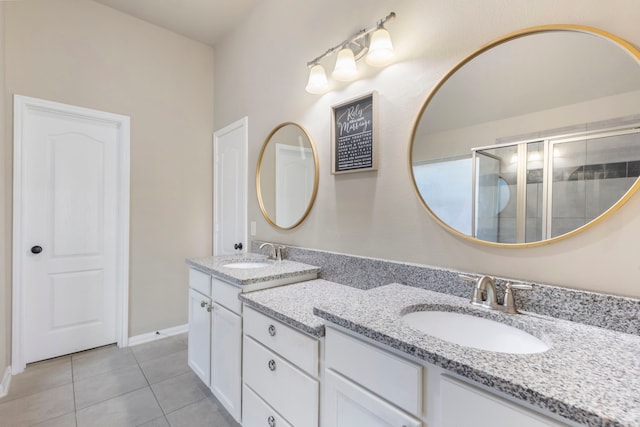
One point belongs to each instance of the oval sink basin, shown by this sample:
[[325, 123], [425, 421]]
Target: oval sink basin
[[246, 265], [475, 332]]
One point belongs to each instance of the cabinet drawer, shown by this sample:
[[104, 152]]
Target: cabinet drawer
[[226, 295], [293, 345], [200, 281], [256, 413], [347, 405], [284, 387], [482, 409], [389, 376]]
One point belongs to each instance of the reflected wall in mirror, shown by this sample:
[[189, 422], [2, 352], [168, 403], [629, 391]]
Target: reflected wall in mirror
[[287, 176], [532, 138]]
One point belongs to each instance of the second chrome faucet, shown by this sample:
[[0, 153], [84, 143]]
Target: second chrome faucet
[[485, 294]]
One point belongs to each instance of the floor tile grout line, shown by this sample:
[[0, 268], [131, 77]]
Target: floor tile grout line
[[73, 389], [164, 415], [9, 397], [112, 397]]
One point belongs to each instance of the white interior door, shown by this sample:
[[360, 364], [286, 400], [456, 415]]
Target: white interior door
[[230, 188], [68, 233]]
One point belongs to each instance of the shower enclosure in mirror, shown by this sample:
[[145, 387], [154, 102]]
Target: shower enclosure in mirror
[[287, 176], [532, 138]]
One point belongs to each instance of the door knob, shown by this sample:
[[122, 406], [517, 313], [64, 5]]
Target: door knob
[[36, 249], [238, 246]]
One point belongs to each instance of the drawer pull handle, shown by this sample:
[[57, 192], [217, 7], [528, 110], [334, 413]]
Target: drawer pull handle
[[272, 330], [272, 365], [271, 421]]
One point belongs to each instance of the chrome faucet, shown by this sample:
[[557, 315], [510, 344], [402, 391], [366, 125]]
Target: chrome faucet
[[485, 294], [275, 252]]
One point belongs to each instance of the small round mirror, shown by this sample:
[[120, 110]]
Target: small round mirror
[[287, 176]]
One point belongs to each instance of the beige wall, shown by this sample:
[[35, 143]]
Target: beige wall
[[5, 277], [83, 53], [260, 71]]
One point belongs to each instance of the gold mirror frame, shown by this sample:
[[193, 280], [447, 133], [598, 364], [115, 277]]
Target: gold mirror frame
[[315, 183], [628, 47]]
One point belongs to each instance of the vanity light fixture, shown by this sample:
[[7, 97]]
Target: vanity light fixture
[[377, 47]]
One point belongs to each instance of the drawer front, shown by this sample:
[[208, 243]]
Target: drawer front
[[482, 409], [296, 347], [389, 376], [345, 404], [200, 281], [256, 413], [226, 295], [284, 387]]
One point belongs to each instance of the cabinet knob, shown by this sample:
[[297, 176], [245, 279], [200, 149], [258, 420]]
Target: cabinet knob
[[272, 330], [238, 246], [209, 308], [272, 365], [203, 303], [271, 421], [36, 250]]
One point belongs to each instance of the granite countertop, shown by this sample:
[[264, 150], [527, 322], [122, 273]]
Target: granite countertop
[[293, 304], [279, 272], [589, 375]]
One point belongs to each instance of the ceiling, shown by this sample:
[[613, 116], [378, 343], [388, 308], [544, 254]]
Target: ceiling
[[204, 20]]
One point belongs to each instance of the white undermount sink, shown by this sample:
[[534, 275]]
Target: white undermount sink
[[475, 332], [245, 265]]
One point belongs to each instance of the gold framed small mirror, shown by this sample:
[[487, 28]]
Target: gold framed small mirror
[[287, 176], [531, 138]]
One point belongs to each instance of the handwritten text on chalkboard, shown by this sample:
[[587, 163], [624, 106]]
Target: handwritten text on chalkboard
[[354, 135]]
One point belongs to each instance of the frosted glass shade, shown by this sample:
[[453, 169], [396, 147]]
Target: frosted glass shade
[[381, 51], [345, 69], [317, 83]]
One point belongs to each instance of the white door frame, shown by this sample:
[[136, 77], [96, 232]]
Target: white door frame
[[243, 124], [21, 105]]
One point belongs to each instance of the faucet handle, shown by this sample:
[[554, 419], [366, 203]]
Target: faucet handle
[[509, 300]]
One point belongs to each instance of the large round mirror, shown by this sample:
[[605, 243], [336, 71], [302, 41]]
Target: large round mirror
[[532, 138], [287, 176]]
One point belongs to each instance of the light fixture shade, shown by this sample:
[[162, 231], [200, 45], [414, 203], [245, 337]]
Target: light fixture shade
[[317, 83], [345, 69], [381, 51]]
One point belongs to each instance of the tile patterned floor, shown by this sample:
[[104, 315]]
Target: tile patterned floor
[[146, 385]]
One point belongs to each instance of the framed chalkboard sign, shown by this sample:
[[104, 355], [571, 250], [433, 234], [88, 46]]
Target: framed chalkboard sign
[[353, 135]]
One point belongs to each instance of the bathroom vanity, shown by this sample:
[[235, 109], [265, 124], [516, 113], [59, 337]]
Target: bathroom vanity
[[215, 316], [373, 366]]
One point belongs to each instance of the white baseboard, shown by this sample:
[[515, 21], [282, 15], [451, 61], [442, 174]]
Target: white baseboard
[[163, 333], [6, 381]]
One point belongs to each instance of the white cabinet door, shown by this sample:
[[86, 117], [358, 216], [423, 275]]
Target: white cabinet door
[[199, 348], [226, 358], [464, 405], [348, 405]]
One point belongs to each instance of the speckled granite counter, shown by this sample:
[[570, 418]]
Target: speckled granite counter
[[294, 304], [274, 274], [590, 375]]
